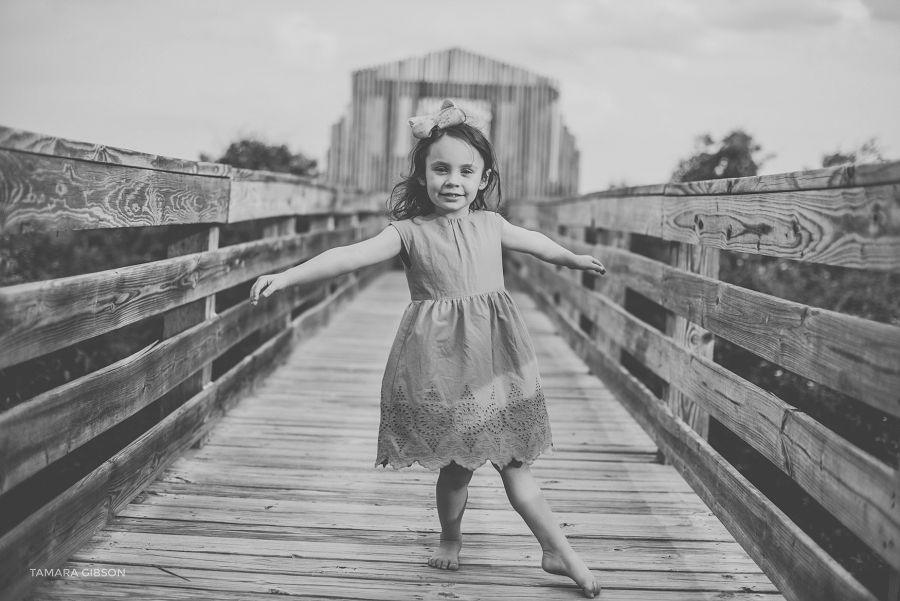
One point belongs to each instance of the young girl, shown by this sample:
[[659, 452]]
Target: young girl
[[461, 385]]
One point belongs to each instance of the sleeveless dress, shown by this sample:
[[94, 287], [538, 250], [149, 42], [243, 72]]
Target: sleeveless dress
[[461, 382]]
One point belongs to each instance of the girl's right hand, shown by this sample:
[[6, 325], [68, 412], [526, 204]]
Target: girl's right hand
[[265, 285]]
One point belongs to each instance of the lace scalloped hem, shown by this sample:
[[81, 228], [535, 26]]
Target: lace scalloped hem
[[436, 463]]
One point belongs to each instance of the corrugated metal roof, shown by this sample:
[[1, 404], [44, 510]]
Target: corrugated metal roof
[[456, 65]]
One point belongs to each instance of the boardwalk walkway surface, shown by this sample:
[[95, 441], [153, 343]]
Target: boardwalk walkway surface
[[283, 500]]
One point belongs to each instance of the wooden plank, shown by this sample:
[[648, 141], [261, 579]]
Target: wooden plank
[[218, 584], [849, 227], [41, 317], [798, 567], [704, 261], [24, 141], [632, 214], [621, 477], [43, 429], [844, 176], [858, 489], [50, 535], [334, 543], [262, 194], [44, 193], [402, 517], [374, 568], [865, 365], [607, 503]]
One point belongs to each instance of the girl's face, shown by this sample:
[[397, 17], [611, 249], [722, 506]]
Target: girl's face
[[454, 173]]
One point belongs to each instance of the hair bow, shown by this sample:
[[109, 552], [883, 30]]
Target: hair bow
[[450, 114]]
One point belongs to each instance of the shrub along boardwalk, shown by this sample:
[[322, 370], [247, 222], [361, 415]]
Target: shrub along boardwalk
[[283, 499]]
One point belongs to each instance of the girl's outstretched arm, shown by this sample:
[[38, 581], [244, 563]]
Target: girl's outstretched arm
[[331, 263], [537, 244]]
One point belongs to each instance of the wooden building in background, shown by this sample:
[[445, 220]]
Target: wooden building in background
[[517, 110]]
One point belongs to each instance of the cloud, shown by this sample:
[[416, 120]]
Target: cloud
[[762, 15], [887, 10], [302, 42]]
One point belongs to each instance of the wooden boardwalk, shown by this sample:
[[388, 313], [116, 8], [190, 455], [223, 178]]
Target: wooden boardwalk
[[284, 498]]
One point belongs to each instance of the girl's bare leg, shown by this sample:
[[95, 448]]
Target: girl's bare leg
[[528, 500], [451, 492]]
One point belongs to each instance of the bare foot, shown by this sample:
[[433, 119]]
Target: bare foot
[[447, 555], [569, 564]]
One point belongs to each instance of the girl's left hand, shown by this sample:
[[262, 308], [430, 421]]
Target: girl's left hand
[[588, 263]]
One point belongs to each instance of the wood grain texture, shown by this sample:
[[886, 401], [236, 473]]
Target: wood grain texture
[[312, 517], [858, 357], [41, 317], [856, 488], [152, 583], [800, 569], [844, 176], [855, 227], [702, 260], [403, 547], [47, 427], [261, 194], [636, 215], [44, 193], [185, 241], [849, 227], [54, 532], [14, 139]]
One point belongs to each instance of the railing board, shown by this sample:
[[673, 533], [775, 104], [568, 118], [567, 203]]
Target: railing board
[[45, 193], [47, 427], [41, 317], [262, 194], [856, 488], [864, 363], [848, 227], [14, 139], [57, 530], [844, 176], [798, 567]]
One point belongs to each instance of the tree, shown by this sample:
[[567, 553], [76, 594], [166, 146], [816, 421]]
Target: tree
[[734, 156], [868, 152], [252, 153]]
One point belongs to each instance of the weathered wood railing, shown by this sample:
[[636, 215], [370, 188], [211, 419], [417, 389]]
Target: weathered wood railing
[[847, 216], [52, 184]]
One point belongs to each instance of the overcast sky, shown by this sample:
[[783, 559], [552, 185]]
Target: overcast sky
[[640, 79]]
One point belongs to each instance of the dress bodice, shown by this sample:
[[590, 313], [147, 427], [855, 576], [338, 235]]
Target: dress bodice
[[452, 257]]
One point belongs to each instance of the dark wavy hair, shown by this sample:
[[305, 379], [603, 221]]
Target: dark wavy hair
[[410, 199]]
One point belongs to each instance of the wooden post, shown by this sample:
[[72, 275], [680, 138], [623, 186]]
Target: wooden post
[[702, 260], [283, 226], [186, 240], [610, 286], [318, 223]]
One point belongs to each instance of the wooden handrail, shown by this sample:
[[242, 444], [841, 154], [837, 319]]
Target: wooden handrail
[[53, 184], [847, 216]]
